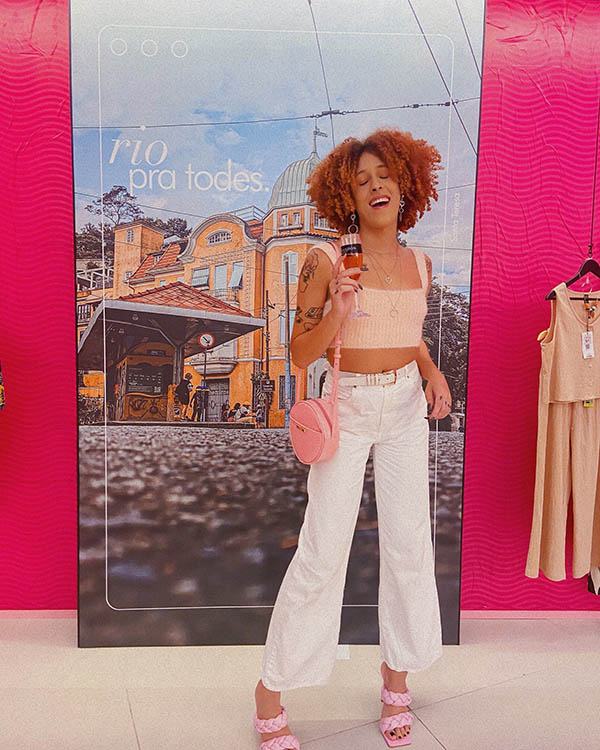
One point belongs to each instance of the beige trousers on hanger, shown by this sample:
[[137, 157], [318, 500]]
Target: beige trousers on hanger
[[568, 449]]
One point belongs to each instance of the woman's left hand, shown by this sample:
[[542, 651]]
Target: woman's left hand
[[438, 396]]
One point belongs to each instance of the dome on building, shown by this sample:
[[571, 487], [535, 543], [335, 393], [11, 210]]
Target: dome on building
[[290, 186]]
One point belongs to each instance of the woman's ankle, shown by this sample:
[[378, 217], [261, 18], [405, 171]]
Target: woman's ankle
[[268, 702], [260, 687], [395, 681]]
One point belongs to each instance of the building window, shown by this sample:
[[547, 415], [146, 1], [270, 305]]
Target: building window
[[180, 278], [282, 325], [236, 274], [127, 275], [293, 264], [84, 313], [162, 282], [200, 276], [282, 391], [283, 220], [296, 219], [216, 237], [221, 276], [129, 235], [321, 222]]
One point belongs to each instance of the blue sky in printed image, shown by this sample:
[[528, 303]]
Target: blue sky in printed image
[[260, 61]]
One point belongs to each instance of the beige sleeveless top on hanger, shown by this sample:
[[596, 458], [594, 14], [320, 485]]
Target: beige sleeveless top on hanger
[[565, 374]]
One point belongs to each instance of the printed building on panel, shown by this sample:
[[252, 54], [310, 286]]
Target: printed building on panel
[[236, 257]]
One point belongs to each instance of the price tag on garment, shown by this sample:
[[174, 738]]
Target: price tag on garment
[[587, 344]]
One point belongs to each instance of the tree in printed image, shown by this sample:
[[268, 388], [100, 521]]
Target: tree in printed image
[[117, 207], [455, 337]]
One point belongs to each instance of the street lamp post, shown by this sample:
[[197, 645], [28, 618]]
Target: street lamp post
[[268, 306], [206, 341], [287, 344]]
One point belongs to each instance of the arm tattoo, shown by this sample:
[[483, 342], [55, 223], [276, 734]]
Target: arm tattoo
[[314, 312], [311, 317], [308, 270]]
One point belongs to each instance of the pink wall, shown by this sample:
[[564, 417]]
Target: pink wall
[[533, 211], [38, 432], [532, 225]]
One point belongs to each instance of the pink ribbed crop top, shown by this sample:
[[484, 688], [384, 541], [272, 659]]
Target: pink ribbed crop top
[[385, 328]]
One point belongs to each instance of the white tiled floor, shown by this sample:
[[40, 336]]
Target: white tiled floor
[[521, 684]]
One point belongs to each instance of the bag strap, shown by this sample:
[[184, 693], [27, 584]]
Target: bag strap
[[336, 363]]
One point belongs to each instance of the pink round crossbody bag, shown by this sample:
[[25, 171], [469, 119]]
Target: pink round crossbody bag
[[313, 422]]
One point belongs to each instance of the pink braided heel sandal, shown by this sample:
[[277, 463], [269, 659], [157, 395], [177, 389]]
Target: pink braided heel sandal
[[284, 741], [402, 719]]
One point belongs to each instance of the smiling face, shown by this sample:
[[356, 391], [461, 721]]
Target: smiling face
[[372, 180]]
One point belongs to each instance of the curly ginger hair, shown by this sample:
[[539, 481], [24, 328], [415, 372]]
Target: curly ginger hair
[[411, 162]]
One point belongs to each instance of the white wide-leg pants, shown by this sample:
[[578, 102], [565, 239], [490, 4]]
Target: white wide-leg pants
[[302, 639]]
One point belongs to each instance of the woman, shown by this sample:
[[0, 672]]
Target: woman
[[183, 393], [196, 402], [382, 185], [224, 411]]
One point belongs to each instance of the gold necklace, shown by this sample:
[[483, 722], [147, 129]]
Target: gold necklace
[[393, 308], [387, 277]]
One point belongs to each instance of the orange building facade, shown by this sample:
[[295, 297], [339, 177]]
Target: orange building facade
[[237, 257]]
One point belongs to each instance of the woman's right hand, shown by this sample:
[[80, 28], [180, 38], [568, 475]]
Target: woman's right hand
[[342, 288]]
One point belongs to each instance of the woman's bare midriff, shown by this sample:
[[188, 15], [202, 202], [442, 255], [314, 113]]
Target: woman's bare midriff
[[373, 360]]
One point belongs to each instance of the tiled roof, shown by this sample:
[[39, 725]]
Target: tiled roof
[[255, 227], [179, 294], [168, 258]]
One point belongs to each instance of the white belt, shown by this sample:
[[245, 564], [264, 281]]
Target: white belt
[[388, 377]]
